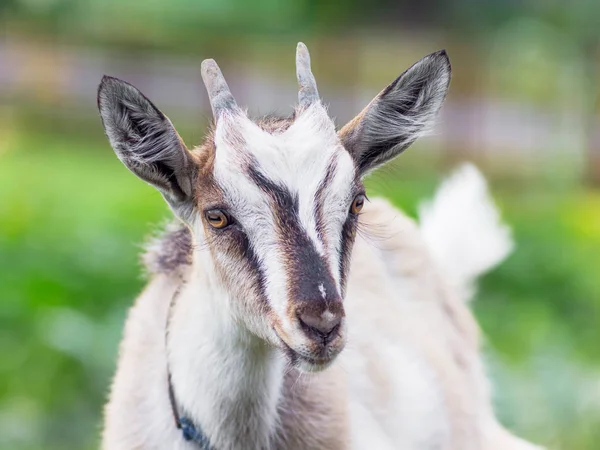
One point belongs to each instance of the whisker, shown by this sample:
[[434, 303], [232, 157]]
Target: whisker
[[297, 379]]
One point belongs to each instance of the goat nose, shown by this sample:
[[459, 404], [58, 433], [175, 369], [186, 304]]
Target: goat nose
[[322, 325]]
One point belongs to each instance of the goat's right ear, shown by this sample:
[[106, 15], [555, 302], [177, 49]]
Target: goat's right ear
[[146, 142]]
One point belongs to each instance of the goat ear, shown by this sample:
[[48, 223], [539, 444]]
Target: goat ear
[[146, 142], [401, 113]]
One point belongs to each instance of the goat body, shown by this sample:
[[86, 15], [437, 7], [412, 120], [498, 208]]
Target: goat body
[[411, 376], [269, 322]]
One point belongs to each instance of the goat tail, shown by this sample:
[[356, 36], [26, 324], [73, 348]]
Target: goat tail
[[463, 230]]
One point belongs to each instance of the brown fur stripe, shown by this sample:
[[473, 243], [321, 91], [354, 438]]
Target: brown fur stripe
[[305, 268]]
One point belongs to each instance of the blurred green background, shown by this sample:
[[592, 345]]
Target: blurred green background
[[523, 105]]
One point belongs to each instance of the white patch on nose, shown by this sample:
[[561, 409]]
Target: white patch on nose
[[327, 315], [322, 291]]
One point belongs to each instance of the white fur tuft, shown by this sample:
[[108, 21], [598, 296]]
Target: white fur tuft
[[463, 229]]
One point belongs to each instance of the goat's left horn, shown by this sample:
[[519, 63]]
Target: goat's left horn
[[308, 92], [219, 95]]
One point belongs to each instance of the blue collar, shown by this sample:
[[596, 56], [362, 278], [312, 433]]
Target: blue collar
[[191, 432]]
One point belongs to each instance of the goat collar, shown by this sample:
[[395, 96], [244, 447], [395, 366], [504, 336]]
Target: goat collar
[[190, 431]]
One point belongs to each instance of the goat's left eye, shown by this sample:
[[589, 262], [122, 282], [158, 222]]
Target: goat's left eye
[[217, 218], [357, 204]]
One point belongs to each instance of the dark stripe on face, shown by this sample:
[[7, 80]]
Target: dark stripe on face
[[347, 240], [281, 196], [255, 266], [305, 268], [320, 199], [235, 242]]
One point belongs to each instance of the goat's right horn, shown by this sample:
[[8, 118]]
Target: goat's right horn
[[308, 92], [219, 95]]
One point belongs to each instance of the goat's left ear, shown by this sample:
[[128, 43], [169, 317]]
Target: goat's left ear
[[146, 142], [399, 114]]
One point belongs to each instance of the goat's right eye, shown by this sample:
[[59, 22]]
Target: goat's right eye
[[217, 218]]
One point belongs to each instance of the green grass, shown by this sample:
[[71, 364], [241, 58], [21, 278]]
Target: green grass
[[71, 222]]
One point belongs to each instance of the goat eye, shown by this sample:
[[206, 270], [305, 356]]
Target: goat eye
[[357, 204], [217, 218]]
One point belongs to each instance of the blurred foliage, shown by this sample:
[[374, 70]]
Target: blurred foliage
[[179, 23], [70, 231], [69, 218]]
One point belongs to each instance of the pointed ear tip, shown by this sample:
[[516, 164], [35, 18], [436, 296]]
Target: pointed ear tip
[[442, 56], [440, 61], [104, 82], [108, 81]]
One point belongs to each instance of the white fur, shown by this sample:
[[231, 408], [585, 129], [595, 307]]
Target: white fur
[[243, 368], [322, 291], [462, 228]]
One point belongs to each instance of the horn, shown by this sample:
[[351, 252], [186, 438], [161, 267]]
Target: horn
[[219, 94], [308, 92]]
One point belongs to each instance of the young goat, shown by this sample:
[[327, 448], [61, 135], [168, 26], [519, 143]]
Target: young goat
[[265, 279]]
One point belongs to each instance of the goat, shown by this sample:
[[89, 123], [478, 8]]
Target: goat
[[236, 342]]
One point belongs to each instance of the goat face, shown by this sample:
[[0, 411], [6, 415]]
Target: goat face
[[280, 225], [276, 202]]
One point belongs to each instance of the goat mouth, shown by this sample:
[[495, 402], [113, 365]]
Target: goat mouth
[[303, 362]]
